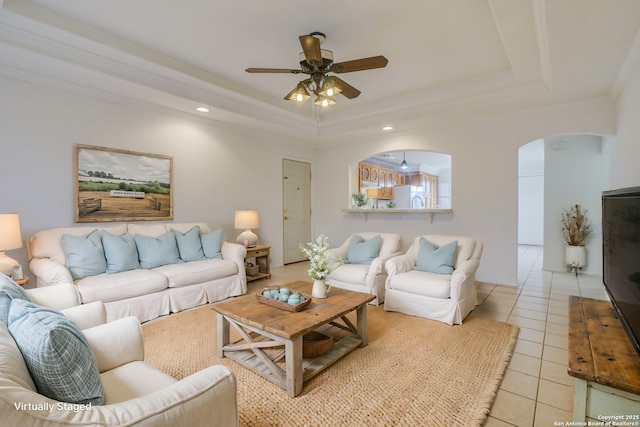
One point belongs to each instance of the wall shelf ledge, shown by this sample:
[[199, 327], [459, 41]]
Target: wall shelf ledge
[[429, 212]]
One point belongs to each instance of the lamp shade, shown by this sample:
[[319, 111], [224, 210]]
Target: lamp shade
[[10, 237], [329, 87], [299, 93], [247, 219]]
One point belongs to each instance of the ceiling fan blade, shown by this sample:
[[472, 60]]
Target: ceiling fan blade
[[311, 49], [273, 70], [360, 64], [346, 89]]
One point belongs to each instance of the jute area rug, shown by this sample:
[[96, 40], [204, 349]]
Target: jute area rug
[[414, 372]]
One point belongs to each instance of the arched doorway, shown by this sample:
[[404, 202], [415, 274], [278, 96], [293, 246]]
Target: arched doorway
[[554, 173]]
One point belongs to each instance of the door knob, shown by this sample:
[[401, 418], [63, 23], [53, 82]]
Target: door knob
[[286, 217]]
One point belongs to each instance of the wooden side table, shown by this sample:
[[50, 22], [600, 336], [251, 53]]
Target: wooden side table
[[262, 259], [604, 363]]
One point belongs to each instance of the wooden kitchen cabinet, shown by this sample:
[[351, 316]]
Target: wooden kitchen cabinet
[[380, 193], [365, 172], [375, 173], [378, 181]]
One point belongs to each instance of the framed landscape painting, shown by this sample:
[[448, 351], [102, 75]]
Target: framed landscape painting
[[122, 185]]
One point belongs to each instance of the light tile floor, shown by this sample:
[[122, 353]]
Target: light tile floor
[[536, 390]]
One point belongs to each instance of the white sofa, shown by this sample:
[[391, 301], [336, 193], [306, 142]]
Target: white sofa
[[146, 293], [444, 297], [365, 277], [136, 394]]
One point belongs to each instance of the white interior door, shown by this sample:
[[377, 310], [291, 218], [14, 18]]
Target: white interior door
[[296, 210]]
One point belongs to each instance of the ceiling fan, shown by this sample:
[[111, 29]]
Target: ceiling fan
[[318, 63]]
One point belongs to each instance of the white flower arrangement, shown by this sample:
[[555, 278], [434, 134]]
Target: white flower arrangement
[[321, 263]]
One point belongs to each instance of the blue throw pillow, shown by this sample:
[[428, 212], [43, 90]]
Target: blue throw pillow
[[84, 255], [157, 251], [362, 251], [190, 245], [120, 252], [436, 259], [9, 290], [57, 354], [212, 244]]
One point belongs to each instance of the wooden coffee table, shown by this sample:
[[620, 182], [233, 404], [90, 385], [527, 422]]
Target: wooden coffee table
[[262, 327]]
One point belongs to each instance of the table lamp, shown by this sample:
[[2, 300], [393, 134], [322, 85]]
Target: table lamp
[[10, 238], [247, 220]]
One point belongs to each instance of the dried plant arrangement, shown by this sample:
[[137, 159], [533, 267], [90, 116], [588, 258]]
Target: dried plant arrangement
[[576, 227]]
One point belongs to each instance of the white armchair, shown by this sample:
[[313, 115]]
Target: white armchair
[[367, 278], [444, 297], [136, 394]]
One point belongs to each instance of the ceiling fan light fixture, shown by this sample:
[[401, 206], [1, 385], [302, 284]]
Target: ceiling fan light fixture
[[329, 87], [324, 101], [299, 94]]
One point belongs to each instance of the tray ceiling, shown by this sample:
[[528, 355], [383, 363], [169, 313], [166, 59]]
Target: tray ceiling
[[447, 59]]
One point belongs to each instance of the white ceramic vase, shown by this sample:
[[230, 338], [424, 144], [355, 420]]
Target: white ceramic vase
[[575, 257], [320, 289]]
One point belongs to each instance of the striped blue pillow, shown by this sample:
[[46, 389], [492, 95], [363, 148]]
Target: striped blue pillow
[[60, 361], [9, 290]]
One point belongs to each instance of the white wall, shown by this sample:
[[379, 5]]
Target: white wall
[[576, 173], [625, 150], [484, 179], [531, 193], [217, 169]]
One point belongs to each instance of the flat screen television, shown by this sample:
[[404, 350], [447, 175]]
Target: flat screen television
[[621, 256]]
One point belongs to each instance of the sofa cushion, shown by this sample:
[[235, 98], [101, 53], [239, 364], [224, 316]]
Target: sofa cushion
[[436, 259], [120, 252], [57, 354], [197, 271], [142, 380], [84, 255], [434, 285], [152, 230], [362, 251], [350, 273], [212, 244], [156, 251], [9, 290], [116, 287], [189, 244]]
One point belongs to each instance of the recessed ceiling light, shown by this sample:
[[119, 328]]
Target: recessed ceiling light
[[387, 128], [202, 109]]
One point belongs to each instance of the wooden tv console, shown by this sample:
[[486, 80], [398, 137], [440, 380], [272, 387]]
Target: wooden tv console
[[604, 363]]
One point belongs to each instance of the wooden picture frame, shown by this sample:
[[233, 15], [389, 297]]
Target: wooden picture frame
[[122, 185]]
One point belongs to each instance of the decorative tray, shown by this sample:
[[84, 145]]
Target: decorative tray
[[284, 305]]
